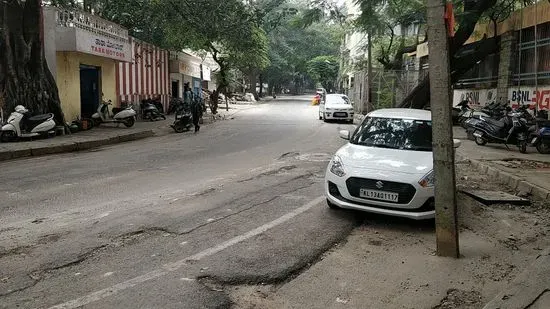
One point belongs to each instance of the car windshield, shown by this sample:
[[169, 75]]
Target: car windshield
[[336, 100], [394, 133]]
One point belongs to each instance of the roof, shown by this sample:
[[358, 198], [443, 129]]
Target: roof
[[402, 113]]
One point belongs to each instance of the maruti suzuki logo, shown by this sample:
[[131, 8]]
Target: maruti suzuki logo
[[379, 184]]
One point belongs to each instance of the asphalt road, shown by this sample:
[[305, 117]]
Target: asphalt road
[[166, 222]]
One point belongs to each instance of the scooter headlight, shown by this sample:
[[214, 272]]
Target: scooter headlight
[[336, 167]]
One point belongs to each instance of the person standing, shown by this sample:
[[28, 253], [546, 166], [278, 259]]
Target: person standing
[[189, 100]]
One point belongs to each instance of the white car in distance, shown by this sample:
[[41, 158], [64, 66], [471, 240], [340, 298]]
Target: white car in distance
[[336, 107], [387, 166]]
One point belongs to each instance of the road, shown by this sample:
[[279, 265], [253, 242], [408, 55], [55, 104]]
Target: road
[[165, 222]]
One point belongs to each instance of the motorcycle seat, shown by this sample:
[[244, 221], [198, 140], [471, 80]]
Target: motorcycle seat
[[495, 123], [38, 118]]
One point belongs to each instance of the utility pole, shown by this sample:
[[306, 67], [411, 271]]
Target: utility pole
[[443, 147]]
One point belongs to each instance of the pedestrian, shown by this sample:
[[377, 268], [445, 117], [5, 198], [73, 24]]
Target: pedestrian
[[189, 100]]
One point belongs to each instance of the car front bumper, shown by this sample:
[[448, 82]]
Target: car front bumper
[[340, 115], [420, 207]]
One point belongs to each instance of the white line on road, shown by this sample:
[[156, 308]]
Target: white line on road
[[171, 267]]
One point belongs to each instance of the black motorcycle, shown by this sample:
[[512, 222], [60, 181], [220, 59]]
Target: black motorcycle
[[511, 129], [183, 120], [149, 110]]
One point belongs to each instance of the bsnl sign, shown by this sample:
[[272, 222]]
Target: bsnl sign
[[539, 98]]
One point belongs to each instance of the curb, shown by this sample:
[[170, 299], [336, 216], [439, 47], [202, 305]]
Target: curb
[[516, 183], [527, 288], [73, 146]]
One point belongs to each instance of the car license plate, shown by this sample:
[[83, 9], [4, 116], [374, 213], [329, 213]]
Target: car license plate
[[379, 195], [340, 114]]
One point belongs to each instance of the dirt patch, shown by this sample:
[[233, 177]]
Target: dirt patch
[[458, 299], [497, 243], [523, 164]]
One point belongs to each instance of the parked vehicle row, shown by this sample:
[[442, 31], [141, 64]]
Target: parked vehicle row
[[499, 124]]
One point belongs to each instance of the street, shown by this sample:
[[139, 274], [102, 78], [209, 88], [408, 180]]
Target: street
[[136, 224], [235, 217]]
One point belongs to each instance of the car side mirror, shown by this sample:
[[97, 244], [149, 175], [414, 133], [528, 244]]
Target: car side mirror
[[344, 134], [456, 143]]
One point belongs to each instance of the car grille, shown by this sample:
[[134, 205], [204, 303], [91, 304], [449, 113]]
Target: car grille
[[406, 191], [340, 114]]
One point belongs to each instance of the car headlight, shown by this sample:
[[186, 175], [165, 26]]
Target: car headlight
[[336, 167], [428, 180]]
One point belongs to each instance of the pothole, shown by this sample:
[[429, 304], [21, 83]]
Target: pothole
[[314, 157]]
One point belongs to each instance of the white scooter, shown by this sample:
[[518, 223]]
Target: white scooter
[[21, 125], [126, 116]]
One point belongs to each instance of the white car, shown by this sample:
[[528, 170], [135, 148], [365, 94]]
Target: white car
[[336, 107], [387, 167]]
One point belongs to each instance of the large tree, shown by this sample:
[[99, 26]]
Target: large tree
[[25, 78], [297, 37], [324, 70], [380, 18]]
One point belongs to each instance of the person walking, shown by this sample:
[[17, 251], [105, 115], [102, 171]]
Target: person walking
[[189, 100]]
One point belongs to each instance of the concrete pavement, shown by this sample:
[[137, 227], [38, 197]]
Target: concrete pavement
[[531, 289], [527, 174]]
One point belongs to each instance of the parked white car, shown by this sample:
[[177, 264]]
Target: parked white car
[[336, 107], [387, 166]]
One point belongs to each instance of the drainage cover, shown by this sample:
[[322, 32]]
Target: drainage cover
[[496, 197]]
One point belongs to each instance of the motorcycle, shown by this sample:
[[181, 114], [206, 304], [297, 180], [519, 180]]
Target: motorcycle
[[174, 103], [150, 111], [21, 124], [462, 112], [124, 115], [183, 120], [540, 138], [512, 129]]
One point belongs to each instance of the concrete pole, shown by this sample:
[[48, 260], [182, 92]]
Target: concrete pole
[[443, 149]]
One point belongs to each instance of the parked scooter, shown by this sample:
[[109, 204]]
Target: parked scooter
[[512, 129], [124, 115], [183, 120], [21, 125], [150, 111], [540, 136]]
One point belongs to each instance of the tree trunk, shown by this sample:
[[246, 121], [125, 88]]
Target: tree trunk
[[253, 77], [420, 95], [460, 64], [261, 80], [25, 78]]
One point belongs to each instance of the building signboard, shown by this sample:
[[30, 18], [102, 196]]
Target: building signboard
[[99, 45], [539, 97]]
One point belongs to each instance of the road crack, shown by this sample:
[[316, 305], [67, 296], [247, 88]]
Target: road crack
[[242, 210], [270, 173]]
